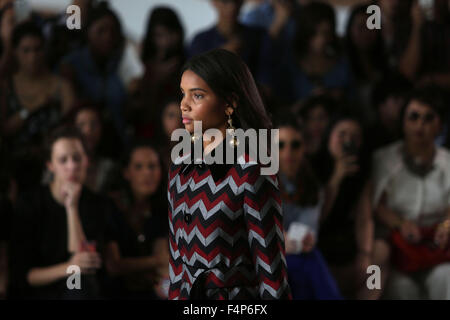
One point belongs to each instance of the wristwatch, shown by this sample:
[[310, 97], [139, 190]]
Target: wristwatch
[[24, 114]]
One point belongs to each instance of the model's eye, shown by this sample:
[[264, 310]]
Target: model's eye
[[198, 96]]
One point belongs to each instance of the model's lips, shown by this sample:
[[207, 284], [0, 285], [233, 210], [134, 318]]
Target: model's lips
[[187, 120]]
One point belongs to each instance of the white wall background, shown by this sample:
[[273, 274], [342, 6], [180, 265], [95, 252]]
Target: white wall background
[[195, 15]]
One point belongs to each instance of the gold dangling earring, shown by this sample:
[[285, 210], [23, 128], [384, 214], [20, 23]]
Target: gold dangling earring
[[194, 138], [231, 130]]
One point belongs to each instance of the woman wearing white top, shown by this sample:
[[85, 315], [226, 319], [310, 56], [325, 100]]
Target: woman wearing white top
[[412, 190]]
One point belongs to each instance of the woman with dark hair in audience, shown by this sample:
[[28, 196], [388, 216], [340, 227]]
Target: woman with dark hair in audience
[[396, 16], [315, 62], [346, 230], [94, 69], [427, 55], [170, 121], [7, 23], [365, 50], [32, 102], [252, 44], [316, 113], [34, 99], [100, 170], [163, 55], [308, 274], [58, 226], [388, 97], [137, 261], [411, 183]]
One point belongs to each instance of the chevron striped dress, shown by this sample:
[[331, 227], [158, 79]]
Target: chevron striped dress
[[225, 224]]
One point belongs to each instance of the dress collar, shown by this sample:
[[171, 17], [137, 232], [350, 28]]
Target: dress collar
[[218, 170]]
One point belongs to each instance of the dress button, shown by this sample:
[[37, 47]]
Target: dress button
[[187, 217]]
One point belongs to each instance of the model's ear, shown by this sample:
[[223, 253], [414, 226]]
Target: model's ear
[[229, 110], [231, 105]]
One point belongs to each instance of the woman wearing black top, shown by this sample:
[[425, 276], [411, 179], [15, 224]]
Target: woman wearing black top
[[138, 260], [57, 226], [346, 230]]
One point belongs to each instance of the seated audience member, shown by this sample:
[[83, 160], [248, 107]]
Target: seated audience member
[[7, 23], [315, 62], [396, 19], [137, 261], [6, 214], [308, 274], [34, 99], [163, 55], [316, 114], [366, 53], [62, 40], [170, 121], [411, 183], [251, 43], [388, 97], [346, 229], [426, 58], [59, 225], [100, 169], [276, 16], [94, 68]]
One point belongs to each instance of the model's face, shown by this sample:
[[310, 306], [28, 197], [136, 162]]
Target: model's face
[[89, 124], [343, 132], [421, 124], [30, 54], [143, 172], [171, 118], [200, 103], [292, 150], [68, 161]]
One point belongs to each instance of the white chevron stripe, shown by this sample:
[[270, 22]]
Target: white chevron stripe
[[219, 232], [271, 203], [216, 188], [274, 293], [275, 231]]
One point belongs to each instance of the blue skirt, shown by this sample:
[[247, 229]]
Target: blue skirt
[[309, 277]]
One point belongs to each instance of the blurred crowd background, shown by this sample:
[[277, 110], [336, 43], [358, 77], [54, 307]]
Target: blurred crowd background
[[364, 132]]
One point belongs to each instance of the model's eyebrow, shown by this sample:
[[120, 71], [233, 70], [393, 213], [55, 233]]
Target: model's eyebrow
[[196, 89]]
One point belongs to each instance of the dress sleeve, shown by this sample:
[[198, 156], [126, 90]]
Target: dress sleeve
[[175, 263], [264, 221]]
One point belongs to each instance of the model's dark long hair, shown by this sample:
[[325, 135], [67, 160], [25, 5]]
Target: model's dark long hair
[[229, 78]]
